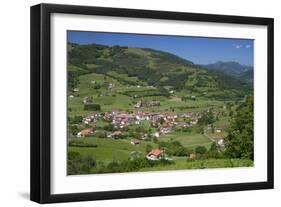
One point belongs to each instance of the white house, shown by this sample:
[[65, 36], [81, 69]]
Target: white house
[[221, 142], [156, 134]]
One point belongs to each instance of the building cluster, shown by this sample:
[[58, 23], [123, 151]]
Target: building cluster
[[148, 104], [164, 122], [87, 100], [90, 119]]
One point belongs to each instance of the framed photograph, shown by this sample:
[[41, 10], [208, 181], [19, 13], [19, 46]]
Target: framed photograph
[[133, 103]]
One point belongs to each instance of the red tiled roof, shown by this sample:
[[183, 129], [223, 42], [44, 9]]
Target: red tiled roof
[[155, 152], [87, 131]]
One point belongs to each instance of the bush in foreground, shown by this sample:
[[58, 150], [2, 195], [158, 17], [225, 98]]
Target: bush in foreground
[[77, 164]]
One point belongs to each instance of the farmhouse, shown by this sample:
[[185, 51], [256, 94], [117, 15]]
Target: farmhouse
[[76, 90], [141, 104], [135, 142], [221, 142], [156, 135], [116, 134], [88, 99], [193, 122], [138, 104], [110, 86], [154, 154], [86, 132], [183, 124], [192, 156]]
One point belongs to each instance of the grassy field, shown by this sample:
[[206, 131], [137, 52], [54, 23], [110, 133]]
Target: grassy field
[[181, 164], [123, 96], [187, 139], [109, 150], [124, 92]]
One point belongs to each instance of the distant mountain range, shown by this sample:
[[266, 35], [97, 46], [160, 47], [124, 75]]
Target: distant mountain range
[[243, 72]]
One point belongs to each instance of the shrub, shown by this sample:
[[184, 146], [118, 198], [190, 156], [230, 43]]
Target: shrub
[[174, 148], [78, 164], [92, 107], [148, 148], [80, 144], [206, 118], [239, 142], [108, 127], [200, 150], [75, 119], [101, 134], [73, 129], [97, 86], [132, 165]]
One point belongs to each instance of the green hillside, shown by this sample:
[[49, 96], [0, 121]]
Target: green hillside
[[155, 68]]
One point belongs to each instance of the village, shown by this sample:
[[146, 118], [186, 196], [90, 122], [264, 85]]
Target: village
[[160, 124], [164, 122]]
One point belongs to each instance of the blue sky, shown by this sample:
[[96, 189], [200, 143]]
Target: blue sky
[[199, 50]]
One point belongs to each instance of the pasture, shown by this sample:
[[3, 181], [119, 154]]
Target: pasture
[[109, 150], [188, 139], [123, 95], [115, 91]]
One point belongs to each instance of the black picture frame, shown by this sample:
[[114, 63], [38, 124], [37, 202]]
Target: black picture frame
[[41, 98]]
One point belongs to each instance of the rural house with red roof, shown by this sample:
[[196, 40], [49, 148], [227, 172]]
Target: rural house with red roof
[[155, 154], [86, 132]]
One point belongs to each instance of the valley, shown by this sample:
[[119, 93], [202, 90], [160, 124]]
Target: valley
[[139, 109]]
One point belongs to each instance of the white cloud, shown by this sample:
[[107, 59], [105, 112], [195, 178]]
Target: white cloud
[[237, 46]]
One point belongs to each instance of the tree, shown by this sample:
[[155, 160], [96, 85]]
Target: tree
[[109, 127], [201, 150], [240, 140], [78, 164], [97, 86], [135, 154], [213, 152], [148, 148], [212, 129], [73, 129], [92, 107], [73, 79], [213, 147], [101, 134], [207, 118], [228, 106], [75, 119], [199, 129]]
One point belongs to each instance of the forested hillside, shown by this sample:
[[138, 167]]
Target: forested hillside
[[156, 68]]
